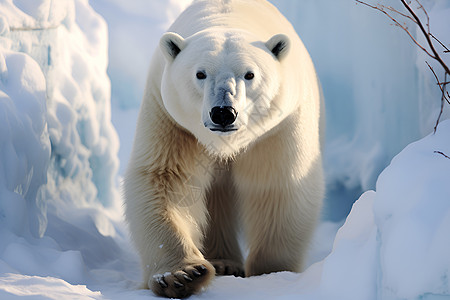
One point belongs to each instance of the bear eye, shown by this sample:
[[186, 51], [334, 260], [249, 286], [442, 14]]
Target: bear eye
[[200, 75], [249, 76]]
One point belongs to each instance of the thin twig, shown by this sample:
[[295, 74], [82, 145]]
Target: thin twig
[[440, 84], [398, 12], [443, 154], [426, 15], [443, 97]]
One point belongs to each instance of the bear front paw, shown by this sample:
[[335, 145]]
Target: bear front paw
[[182, 283], [228, 267]]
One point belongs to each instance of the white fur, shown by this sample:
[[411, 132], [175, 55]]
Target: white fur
[[272, 159]]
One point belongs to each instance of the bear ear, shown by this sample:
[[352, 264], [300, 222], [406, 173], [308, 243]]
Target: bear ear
[[279, 45], [171, 45]]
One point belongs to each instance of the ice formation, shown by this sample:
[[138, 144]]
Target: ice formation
[[59, 148]]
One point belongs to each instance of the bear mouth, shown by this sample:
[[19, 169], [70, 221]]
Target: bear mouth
[[223, 129]]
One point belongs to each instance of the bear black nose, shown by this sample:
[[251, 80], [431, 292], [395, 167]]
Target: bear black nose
[[223, 115]]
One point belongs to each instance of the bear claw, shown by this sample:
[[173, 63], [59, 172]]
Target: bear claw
[[201, 267], [162, 283], [185, 276], [178, 284]]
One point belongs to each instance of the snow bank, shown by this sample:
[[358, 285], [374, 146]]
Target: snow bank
[[34, 287], [66, 39], [24, 144], [395, 242], [58, 148], [412, 214]]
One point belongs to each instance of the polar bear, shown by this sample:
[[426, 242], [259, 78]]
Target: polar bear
[[228, 137]]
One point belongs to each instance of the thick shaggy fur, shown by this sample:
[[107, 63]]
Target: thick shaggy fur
[[188, 189]]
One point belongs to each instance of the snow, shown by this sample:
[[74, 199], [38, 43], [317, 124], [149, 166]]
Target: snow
[[34, 287], [25, 147], [62, 234], [413, 218]]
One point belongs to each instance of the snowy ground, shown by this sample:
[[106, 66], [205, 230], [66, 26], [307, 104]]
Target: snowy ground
[[62, 234]]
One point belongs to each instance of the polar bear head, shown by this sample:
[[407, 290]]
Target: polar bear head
[[224, 86]]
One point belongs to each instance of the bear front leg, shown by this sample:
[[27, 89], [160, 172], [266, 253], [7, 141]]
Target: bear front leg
[[278, 229], [221, 244], [166, 228], [280, 192]]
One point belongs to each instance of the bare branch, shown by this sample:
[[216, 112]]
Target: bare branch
[[445, 97], [443, 46], [443, 154], [427, 36], [443, 87], [381, 8]]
